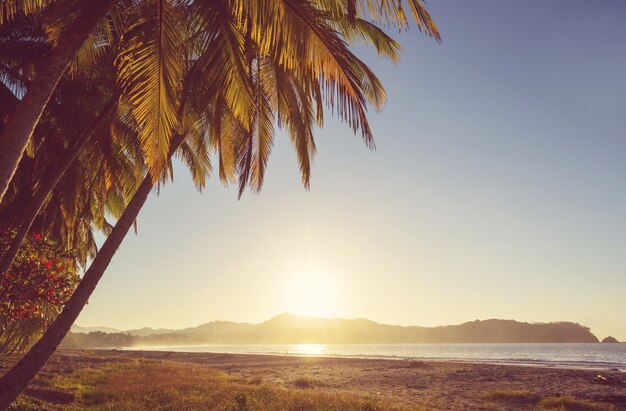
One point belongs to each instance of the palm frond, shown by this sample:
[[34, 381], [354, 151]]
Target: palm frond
[[92, 50], [300, 37], [221, 64], [10, 9], [299, 118], [364, 32], [390, 13], [195, 154], [150, 74]]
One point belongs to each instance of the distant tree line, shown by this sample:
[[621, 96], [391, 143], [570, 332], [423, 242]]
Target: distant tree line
[[295, 330]]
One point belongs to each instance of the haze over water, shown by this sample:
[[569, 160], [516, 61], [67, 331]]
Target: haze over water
[[583, 356]]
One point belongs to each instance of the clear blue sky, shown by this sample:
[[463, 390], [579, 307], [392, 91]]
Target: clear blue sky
[[498, 190]]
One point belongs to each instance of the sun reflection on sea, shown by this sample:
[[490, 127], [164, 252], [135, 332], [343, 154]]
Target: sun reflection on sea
[[308, 349]]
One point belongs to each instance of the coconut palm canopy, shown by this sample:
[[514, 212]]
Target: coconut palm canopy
[[230, 70], [102, 94], [157, 42]]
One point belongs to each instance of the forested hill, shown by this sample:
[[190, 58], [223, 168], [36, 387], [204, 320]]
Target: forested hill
[[291, 329]]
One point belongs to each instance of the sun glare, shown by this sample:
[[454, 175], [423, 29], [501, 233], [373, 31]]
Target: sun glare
[[308, 349], [311, 293]]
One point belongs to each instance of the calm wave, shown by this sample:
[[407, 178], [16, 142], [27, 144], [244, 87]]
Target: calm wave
[[585, 356]]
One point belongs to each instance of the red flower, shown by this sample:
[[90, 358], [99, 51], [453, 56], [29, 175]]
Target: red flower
[[48, 264], [37, 236]]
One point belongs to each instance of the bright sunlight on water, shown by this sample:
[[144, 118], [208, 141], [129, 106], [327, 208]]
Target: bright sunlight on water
[[308, 349], [580, 356]]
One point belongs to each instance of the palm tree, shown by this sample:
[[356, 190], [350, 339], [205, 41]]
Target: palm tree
[[51, 179], [150, 93], [76, 100], [16, 380], [21, 126], [36, 188], [243, 65], [95, 58], [76, 20]]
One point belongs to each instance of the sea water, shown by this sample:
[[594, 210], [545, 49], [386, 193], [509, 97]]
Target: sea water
[[582, 356]]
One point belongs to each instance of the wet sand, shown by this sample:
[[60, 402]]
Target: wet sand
[[434, 385]]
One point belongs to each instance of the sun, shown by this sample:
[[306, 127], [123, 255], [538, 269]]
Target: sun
[[311, 293]]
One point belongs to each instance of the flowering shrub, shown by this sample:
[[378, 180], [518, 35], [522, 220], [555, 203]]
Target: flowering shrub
[[33, 291]]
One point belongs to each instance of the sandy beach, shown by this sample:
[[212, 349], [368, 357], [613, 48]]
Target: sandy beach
[[410, 383]]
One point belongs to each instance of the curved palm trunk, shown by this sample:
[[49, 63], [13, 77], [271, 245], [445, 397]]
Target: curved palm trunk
[[26, 116], [48, 184], [18, 378], [8, 101]]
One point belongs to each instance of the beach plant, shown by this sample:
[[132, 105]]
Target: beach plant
[[34, 290], [196, 77]]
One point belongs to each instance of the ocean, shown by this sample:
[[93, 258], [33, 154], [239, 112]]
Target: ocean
[[601, 356]]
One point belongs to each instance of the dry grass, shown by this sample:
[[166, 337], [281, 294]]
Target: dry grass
[[520, 398], [113, 383], [571, 404], [306, 382], [532, 401], [156, 385]]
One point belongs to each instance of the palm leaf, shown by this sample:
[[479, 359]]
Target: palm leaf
[[300, 37], [389, 13], [9, 9], [361, 31], [298, 116], [221, 64], [150, 73]]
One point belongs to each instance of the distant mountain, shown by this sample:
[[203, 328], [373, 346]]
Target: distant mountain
[[292, 329], [78, 329], [145, 331], [220, 327]]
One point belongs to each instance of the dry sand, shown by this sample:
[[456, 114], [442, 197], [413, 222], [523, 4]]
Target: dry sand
[[436, 385]]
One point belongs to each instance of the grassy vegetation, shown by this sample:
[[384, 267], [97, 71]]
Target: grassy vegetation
[[154, 385], [519, 398], [533, 401], [101, 383], [571, 404], [306, 382]]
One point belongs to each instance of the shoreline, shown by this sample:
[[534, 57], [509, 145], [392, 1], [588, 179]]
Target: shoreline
[[521, 362]]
